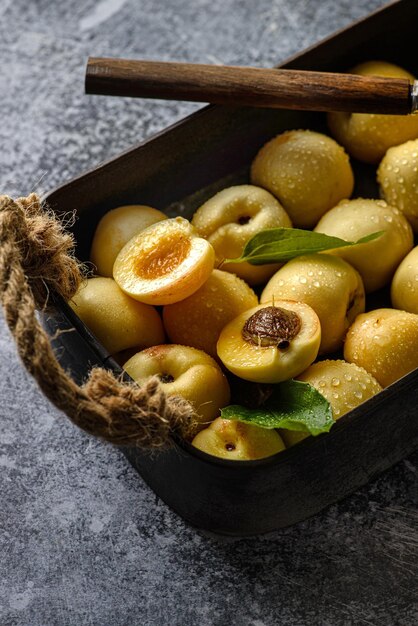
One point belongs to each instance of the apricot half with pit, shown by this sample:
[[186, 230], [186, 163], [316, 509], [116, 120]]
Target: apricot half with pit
[[344, 385], [165, 263], [115, 229], [114, 318], [237, 441], [306, 171], [185, 372], [329, 285], [198, 320], [271, 342], [384, 342], [231, 218]]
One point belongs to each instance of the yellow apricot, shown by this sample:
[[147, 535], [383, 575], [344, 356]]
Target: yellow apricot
[[398, 178], [198, 320], [404, 288], [344, 385], [384, 342], [237, 441], [329, 285], [271, 343], [368, 136], [164, 263], [376, 260], [234, 215], [185, 372], [307, 171], [115, 229], [118, 321]]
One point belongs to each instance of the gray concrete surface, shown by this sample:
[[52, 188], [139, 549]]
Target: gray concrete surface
[[83, 541]]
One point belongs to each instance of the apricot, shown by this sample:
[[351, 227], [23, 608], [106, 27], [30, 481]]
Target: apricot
[[114, 318], [344, 385], [198, 320], [271, 343], [115, 229], [185, 372], [307, 171], [237, 441], [368, 136], [398, 178], [164, 263], [384, 342], [377, 260], [231, 218], [329, 285], [404, 289]]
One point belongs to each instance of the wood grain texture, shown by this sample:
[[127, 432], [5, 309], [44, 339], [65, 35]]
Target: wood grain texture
[[248, 86]]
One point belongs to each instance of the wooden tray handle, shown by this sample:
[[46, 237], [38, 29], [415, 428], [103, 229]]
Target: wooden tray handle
[[248, 86]]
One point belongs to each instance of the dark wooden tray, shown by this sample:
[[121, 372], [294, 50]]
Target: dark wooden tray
[[176, 171]]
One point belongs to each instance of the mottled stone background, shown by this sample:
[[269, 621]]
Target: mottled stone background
[[83, 540]]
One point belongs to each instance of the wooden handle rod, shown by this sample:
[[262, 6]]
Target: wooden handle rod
[[248, 86]]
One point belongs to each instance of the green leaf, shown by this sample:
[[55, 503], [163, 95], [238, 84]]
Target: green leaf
[[293, 405], [276, 245]]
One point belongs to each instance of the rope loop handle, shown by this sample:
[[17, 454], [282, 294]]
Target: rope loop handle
[[36, 258]]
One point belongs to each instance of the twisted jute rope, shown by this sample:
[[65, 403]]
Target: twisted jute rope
[[36, 258]]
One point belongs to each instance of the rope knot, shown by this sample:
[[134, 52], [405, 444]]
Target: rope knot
[[138, 415], [37, 241]]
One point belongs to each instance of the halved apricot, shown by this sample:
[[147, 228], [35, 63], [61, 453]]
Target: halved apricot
[[165, 263], [237, 441], [234, 215], [185, 372], [271, 342]]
